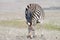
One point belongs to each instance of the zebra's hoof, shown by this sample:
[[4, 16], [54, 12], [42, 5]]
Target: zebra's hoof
[[30, 36]]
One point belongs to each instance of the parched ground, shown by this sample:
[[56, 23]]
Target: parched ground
[[9, 33]]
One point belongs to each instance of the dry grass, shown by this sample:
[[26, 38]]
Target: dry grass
[[14, 23], [22, 24]]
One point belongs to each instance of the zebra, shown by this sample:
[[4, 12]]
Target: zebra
[[34, 14]]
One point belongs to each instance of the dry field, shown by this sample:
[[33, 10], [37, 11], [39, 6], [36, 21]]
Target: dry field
[[13, 27]]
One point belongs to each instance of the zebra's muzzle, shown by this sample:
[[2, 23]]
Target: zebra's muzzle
[[28, 23]]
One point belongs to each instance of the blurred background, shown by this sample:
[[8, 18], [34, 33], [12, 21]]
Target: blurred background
[[12, 12]]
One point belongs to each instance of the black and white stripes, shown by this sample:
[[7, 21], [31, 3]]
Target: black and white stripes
[[34, 14]]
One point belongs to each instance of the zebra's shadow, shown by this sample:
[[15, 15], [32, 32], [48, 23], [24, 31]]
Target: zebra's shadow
[[37, 37]]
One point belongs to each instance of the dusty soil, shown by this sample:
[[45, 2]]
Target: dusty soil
[[9, 33]]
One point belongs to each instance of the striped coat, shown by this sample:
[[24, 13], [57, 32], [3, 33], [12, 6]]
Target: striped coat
[[37, 13]]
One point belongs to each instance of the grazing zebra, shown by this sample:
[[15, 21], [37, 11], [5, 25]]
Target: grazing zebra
[[34, 14]]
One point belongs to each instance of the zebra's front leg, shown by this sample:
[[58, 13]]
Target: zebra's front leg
[[31, 31], [33, 28], [41, 27]]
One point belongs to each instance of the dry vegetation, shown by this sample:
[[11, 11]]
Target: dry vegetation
[[52, 20]]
